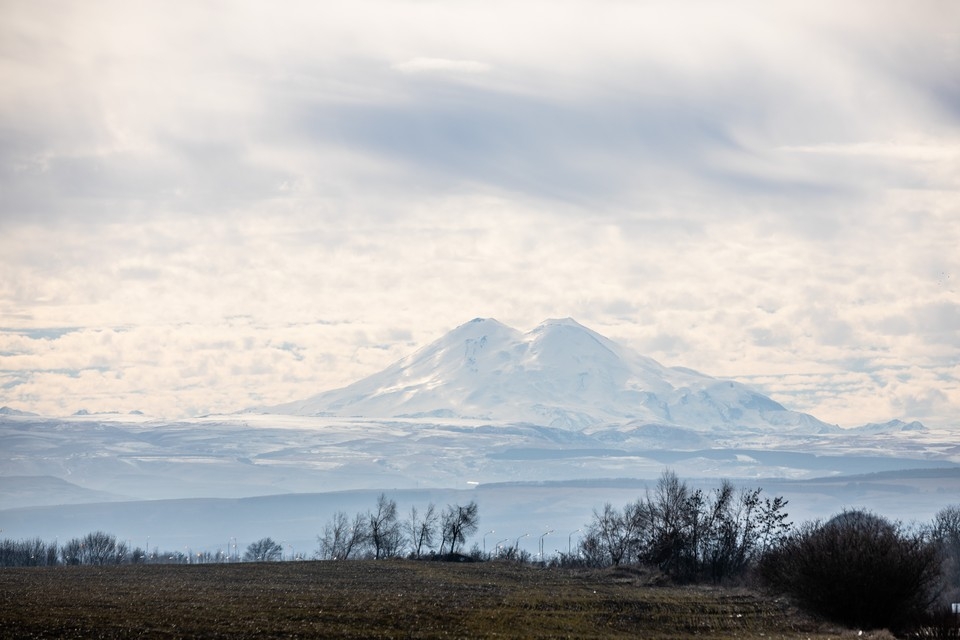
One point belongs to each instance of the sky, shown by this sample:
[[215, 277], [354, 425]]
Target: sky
[[206, 206]]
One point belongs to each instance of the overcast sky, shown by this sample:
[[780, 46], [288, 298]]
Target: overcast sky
[[210, 205]]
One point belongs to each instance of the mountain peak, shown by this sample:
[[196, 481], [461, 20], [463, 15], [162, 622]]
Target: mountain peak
[[478, 330], [559, 374], [477, 326], [562, 322]]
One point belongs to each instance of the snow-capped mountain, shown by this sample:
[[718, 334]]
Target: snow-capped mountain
[[9, 411], [560, 374]]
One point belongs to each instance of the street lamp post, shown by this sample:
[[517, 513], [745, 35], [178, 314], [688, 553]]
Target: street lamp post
[[569, 544], [516, 545], [485, 541], [497, 546], [541, 543]]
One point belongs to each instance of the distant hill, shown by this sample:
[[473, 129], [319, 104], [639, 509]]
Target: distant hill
[[35, 491]]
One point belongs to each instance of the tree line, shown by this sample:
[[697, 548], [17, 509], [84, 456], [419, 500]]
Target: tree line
[[377, 533], [690, 535], [95, 548], [380, 532]]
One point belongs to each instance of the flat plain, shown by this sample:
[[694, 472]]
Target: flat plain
[[383, 599]]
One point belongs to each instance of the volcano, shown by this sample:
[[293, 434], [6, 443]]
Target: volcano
[[560, 374]]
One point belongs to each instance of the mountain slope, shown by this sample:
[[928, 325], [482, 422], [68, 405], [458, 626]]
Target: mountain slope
[[560, 374]]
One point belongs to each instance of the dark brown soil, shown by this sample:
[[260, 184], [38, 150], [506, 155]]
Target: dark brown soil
[[369, 599]]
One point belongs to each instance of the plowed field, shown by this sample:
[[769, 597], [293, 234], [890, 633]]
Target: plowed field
[[368, 599]]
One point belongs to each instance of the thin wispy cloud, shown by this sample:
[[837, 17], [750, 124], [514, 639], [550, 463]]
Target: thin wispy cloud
[[441, 65]]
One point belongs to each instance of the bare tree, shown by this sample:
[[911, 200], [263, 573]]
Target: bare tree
[[334, 536], [610, 538], [263, 550], [945, 533], [384, 530], [731, 538], [342, 537], [422, 532], [95, 548], [458, 523], [27, 553], [71, 551], [669, 519]]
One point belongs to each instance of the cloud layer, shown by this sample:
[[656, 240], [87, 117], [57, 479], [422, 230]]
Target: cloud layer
[[213, 206]]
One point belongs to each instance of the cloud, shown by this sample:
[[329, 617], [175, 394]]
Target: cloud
[[229, 208], [693, 299], [441, 65], [930, 151]]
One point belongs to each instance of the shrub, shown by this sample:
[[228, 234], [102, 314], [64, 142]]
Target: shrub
[[263, 550], [858, 569], [97, 548]]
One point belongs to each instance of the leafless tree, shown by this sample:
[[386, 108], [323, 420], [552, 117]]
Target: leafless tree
[[343, 537], [422, 532], [384, 529], [945, 533], [27, 553], [263, 550], [668, 516], [95, 548], [610, 538], [457, 524]]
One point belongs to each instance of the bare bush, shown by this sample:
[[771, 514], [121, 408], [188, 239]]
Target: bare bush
[[96, 548], [858, 569], [263, 550]]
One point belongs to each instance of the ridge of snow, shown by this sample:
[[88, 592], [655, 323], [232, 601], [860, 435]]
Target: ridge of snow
[[891, 426]]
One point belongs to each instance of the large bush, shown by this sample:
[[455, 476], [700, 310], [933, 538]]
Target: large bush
[[857, 569], [97, 547], [263, 550]]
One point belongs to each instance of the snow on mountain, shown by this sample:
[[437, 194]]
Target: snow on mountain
[[10, 411], [560, 374], [892, 426]]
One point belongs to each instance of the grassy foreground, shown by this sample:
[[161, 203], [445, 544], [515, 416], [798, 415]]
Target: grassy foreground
[[390, 599]]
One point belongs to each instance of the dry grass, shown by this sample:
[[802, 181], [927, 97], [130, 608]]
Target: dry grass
[[391, 599]]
